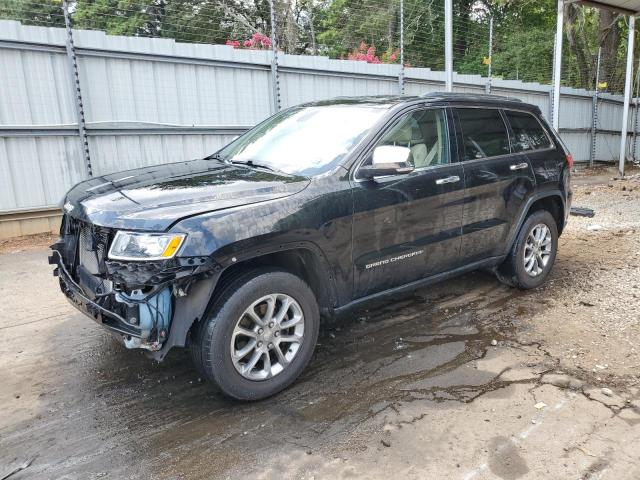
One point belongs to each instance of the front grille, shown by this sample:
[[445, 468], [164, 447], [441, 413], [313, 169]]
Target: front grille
[[91, 249]]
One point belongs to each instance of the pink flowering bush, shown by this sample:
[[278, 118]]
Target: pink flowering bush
[[365, 53], [258, 41]]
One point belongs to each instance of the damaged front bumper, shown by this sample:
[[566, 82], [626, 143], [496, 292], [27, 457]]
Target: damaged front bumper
[[145, 305], [93, 310]]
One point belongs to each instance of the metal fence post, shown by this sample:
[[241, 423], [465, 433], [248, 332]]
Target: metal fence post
[[401, 73], [275, 77], [490, 54], [627, 94], [594, 113], [448, 45], [636, 113], [557, 67], [77, 92]]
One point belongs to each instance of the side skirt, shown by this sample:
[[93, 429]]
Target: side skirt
[[488, 263]]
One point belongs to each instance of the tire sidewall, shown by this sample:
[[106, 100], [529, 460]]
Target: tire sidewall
[[216, 338], [524, 279]]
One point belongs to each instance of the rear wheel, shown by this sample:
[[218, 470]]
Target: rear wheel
[[533, 253], [260, 335]]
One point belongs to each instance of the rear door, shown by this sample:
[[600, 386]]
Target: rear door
[[407, 227], [498, 182]]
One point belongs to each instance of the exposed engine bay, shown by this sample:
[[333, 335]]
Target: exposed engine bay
[[137, 300]]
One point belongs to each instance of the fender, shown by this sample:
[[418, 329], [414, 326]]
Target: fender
[[234, 254], [187, 311], [193, 307], [525, 210]]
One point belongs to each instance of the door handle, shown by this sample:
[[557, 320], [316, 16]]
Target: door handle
[[451, 179], [519, 166]]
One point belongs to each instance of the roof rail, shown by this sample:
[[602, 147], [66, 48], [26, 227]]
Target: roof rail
[[471, 96]]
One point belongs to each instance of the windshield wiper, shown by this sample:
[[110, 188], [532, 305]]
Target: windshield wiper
[[251, 163]]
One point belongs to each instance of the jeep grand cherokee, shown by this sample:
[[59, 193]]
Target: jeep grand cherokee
[[317, 209]]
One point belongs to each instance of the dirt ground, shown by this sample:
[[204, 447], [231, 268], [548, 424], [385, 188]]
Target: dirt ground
[[464, 380]]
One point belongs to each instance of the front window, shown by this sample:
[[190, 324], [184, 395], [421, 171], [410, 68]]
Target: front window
[[424, 132], [305, 140]]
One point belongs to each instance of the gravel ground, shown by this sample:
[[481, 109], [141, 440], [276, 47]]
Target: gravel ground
[[30, 242], [596, 286], [464, 380]]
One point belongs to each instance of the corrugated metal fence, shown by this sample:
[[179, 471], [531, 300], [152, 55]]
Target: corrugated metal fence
[[149, 101]]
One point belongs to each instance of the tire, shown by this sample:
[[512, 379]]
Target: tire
[[514, 271], [217, 337], [195, 351], [197, 329]]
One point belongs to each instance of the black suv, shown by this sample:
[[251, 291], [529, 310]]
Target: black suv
[[317, 209]]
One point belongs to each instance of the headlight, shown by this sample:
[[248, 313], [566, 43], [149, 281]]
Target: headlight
[[145, 246]]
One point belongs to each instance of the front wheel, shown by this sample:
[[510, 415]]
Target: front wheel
[[260, 336], [533, 253]]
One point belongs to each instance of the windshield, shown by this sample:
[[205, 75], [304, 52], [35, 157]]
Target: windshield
[[304, 140]]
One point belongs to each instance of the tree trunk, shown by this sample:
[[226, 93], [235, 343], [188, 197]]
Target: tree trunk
[[392, 27], [291, 28], [314, 48], [609, 40], [462, 9], [578, 46]]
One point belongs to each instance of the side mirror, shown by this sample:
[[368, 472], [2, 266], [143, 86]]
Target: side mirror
[[388, 160]]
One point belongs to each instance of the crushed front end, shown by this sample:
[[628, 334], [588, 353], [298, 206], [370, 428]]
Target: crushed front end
[[148, 304]]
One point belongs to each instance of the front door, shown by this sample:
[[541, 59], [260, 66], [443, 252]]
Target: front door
[[407, 227], [498, 182]]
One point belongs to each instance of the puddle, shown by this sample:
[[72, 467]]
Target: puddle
[[115, 403]]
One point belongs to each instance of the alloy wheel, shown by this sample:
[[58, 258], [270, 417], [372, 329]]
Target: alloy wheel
[[267, 336], [537, 249]]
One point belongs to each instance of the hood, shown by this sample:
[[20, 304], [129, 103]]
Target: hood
[[154, 198]]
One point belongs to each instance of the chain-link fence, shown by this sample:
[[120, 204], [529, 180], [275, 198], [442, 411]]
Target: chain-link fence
[[508, 40]]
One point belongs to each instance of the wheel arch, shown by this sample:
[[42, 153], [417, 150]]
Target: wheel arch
[[303, 259], [552, 201], [554, 205]]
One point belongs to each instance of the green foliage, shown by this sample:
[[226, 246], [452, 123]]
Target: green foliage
[[183, 20], [522, 43], [528, 56], [194, 21], [344, 24], [116, 17], [29, 12]]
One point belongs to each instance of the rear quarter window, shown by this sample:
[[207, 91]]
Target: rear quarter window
[[484, 133], [528, 133]]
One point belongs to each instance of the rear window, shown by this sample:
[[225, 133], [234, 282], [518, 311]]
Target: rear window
[[528, 134], [483, 132]]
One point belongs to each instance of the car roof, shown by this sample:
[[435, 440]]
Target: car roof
[[388, 101]]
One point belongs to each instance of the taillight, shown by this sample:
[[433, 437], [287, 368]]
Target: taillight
[[570, 160]]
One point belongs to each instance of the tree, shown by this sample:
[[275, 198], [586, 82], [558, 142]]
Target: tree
[[609, 35], [522, 43], [39, 12], [523, 39], [344, 24], [120, 17]]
